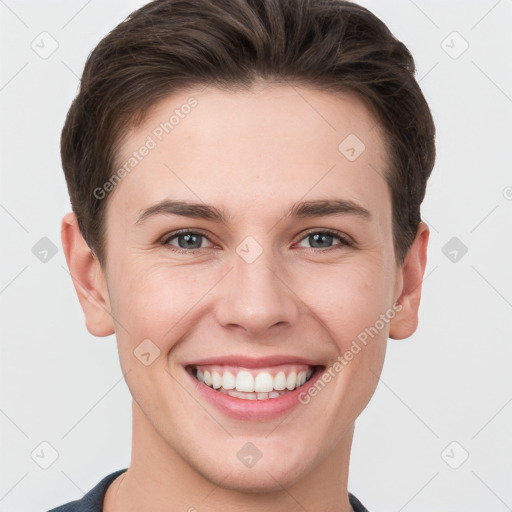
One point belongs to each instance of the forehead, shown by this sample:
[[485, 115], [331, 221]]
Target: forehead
[[252, 151]]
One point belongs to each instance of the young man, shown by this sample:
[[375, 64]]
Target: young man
[[246, 179]]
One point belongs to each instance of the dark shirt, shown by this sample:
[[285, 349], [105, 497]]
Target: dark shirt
[[93, 500]]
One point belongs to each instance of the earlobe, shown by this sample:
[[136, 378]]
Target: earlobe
[[88, 278], [405, 322]]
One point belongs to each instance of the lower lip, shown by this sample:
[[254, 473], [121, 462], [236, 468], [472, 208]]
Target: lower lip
[[240, 408]]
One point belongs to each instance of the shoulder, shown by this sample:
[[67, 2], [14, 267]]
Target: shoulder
[[356, 504], [93, 500]]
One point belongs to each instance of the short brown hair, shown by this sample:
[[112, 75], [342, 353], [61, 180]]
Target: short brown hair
[[168, 45]]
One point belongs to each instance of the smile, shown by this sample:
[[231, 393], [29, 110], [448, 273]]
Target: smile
[[251, 383], [252, 388]]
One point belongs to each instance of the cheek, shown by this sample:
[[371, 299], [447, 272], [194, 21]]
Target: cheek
[[348, 298], [153, 310], [153, 297], [159, 302]]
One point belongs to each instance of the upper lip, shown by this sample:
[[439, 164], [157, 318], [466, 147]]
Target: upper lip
[[253, 362]]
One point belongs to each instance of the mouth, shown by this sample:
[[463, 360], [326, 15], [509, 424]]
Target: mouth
[[246, 383], [253, 389]]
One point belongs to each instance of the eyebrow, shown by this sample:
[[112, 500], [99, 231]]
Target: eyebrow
[[304, 209]]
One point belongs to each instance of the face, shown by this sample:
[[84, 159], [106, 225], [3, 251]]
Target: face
[[284, 264]]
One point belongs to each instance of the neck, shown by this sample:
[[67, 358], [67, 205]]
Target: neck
[[160, 480]]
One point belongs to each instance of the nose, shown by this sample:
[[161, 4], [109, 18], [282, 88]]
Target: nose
[[256, 298]]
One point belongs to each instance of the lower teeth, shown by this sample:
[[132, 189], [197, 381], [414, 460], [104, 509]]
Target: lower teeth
[[251, 396]]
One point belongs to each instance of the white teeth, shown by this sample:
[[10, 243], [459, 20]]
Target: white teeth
[[291, 381], [264, 382], [245, 382], [251, 396], [280, 381], [301, 378], [228, 381], [216, 380], [244, 396], [261, 387]]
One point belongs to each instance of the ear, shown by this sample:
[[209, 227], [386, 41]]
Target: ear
[[410, 280], [88, 278]]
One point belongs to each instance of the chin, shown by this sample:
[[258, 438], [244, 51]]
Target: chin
[[259, 479]]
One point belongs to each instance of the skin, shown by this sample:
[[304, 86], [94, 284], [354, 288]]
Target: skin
[[254, 154]]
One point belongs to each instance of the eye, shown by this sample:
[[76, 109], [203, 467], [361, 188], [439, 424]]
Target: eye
[[189, 241], [319, 239]]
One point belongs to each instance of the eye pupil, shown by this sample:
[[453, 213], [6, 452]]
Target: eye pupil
[[189, 238], [317, 237]]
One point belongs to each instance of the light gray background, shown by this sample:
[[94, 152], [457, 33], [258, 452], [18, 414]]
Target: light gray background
[[451, 381]]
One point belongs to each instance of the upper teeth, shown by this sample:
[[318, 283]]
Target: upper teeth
[[245, 381]]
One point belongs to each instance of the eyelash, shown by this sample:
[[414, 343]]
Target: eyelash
[[345, 242]]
